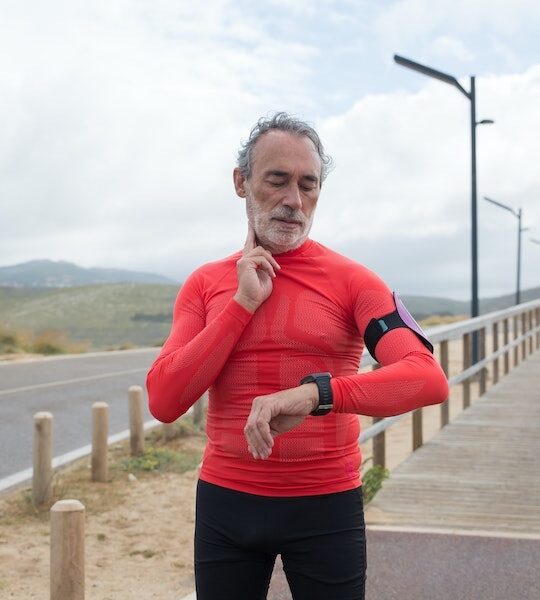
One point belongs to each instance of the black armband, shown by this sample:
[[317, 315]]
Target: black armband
[[401, 317]]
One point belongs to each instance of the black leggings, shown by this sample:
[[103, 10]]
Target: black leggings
[[321, 540]]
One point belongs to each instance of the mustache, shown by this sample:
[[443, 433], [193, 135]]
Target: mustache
[[289, 214]]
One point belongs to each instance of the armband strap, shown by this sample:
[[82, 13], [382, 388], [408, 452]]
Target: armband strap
[[401, 317]]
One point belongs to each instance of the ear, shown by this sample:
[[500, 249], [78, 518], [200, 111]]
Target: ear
[[240, 183]]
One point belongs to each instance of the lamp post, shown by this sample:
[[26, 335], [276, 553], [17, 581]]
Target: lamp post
[[520, 231], [471, 95]]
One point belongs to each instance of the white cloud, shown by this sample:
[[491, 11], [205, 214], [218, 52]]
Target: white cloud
[[403, 179], [125, 119], [406, 19], [445, 46]]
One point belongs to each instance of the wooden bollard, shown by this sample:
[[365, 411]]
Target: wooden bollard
[[168, 431], [100, 447], [67, 550], [42, 458], [198, 411], [135, 394]]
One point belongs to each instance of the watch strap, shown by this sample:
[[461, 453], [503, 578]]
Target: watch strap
[[326, 400]]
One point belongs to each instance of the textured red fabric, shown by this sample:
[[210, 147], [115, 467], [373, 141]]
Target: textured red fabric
[[313, 321]]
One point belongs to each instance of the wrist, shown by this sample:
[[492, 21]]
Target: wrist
[[312, 392], [249, 305]]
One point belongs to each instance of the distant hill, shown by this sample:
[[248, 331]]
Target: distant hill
[[425, 306], [60, 274], [120, 314], [500, 302], [103, 316]]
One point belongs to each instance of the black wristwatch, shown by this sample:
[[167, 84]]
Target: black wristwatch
[[326, 400]]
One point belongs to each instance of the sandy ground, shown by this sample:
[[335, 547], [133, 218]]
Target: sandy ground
[[139, 534]]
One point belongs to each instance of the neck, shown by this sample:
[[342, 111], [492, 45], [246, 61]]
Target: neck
[[277, 248]]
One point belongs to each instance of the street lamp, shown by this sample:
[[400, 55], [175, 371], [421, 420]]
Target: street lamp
[[471, 95], [520, 231]]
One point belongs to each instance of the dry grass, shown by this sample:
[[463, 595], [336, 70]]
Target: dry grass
[[441, 320], [47, 342], [182, 453]]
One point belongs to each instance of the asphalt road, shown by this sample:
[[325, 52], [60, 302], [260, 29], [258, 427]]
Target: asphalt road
[[66, 387], [424, 566]]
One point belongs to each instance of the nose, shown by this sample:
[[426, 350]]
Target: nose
[[293, 197]]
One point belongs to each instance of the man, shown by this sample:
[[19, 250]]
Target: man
[[280, 474]]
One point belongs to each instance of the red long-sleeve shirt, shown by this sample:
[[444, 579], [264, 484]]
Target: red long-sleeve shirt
[[313, 321]]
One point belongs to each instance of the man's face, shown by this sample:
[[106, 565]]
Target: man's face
[[282, 191]]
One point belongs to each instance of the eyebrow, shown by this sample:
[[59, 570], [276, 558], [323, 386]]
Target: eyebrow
[[277, 173]]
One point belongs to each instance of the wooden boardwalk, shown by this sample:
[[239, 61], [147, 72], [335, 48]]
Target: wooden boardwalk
[[480, 474]]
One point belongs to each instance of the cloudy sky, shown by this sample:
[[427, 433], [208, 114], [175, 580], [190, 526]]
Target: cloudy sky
[[121, 121]]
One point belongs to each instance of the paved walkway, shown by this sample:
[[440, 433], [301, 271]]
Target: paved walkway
[[460, 518], [480, 473]]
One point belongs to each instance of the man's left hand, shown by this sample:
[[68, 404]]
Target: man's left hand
[[277, 413]]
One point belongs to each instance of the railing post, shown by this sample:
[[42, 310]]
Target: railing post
[[537, 324], [537, 312], [100, 447], [531, 348], [516, 335], [506, 339], [482, 353], [67, 550], [523, 331], [495, 348], [445, 408], [136, 428], [417, 429], [42, 459], [379, 446], [466, 364], [379, 441]]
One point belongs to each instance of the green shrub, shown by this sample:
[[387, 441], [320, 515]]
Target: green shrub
[[9, 342], [162, 459], [372, 481]]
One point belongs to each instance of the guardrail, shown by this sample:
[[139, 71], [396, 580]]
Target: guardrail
[[521, 323]]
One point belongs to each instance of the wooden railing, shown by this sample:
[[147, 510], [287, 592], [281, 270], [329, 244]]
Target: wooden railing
[[519, 328]]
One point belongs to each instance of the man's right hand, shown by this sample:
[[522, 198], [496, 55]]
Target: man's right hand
[[255, 271]]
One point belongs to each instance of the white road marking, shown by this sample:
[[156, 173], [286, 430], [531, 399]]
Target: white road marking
[[520, 535], [41, 386], [83, 355], [59, 461]]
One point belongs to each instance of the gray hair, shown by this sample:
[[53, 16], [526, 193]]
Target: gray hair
[[282, 121]]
